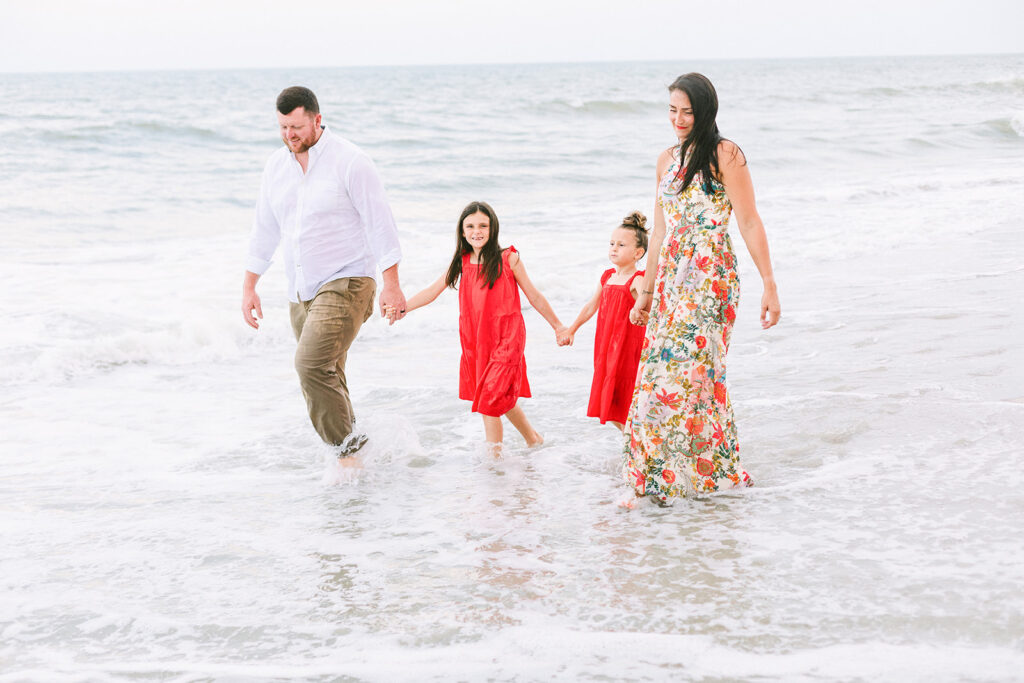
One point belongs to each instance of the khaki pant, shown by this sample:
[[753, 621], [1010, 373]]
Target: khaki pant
[[325, 328]]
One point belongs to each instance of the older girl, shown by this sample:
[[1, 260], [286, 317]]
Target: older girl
[[492, 372]]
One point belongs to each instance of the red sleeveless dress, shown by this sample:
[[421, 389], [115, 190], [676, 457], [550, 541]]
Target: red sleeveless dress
[[617, 345], [492, 372]]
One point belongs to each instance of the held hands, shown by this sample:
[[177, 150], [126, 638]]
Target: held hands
[[391, 298], [641, 311], [564, 336], [392, 314], [639, 316]]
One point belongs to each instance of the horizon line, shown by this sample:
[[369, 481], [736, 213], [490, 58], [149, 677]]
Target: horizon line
[[57, 72]]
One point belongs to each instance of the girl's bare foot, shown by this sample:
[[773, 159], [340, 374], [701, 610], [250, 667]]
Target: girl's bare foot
[[535, 440], [493, 449]]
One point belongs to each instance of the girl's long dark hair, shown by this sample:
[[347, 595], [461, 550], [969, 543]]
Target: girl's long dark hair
[[490, 254], [702, 142]]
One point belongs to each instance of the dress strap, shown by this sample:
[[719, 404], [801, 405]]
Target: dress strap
[[605, 275]]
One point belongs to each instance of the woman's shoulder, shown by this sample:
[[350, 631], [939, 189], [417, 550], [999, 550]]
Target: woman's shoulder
[[666, 158], [730, 154]]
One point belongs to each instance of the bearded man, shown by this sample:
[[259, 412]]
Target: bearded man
[[322, 201]]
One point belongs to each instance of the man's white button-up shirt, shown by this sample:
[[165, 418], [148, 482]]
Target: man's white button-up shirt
[[332, 221]]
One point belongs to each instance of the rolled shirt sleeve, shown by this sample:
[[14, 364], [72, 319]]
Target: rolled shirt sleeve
[[368, 197], [265, 234]]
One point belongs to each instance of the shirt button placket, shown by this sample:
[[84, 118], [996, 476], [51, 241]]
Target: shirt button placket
[[300, 281]]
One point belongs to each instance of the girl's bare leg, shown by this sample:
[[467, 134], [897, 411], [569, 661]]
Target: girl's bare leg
[[618, 425], [518, 419], [493, 433]]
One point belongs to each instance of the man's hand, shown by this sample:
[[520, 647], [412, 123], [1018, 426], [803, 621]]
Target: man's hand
[[392, 301], [251, 303]]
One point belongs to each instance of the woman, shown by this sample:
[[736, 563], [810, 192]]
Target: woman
[[682, 439]]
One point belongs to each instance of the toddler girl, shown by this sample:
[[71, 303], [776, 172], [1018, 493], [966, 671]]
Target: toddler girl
[[617, 342]]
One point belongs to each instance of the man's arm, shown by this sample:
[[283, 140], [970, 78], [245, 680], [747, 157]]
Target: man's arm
[[263, 241], [367, 194]]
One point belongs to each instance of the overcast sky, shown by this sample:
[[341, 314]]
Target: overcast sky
[[87, 35]]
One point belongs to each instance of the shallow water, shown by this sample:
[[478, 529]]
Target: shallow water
[[168, 513]]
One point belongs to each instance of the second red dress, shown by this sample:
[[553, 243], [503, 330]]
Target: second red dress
[[617, 345], [492, 372]]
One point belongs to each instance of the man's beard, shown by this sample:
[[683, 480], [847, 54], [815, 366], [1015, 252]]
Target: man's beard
[[303, 146]]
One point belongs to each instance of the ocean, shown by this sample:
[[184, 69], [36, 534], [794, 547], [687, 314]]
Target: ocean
[[168, 513]]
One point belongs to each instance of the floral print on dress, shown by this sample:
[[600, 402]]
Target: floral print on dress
[[680, 434]]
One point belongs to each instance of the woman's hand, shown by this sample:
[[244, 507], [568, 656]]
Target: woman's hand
[[770, 309]]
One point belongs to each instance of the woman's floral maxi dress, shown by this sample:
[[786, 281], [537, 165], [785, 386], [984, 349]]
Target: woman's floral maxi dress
[[681, 438]]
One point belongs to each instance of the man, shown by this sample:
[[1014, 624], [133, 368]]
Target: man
[[322, 200]]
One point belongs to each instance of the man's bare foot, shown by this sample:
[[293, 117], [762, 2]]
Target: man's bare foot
[[353, 462], [349, 462], [344, 470]]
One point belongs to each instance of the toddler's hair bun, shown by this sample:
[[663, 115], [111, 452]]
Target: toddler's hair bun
[[635, 220]]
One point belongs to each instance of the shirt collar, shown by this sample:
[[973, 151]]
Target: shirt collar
[[318, 147]]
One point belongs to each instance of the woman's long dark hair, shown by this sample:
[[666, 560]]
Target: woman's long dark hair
[[490, 254], [702, 142]]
